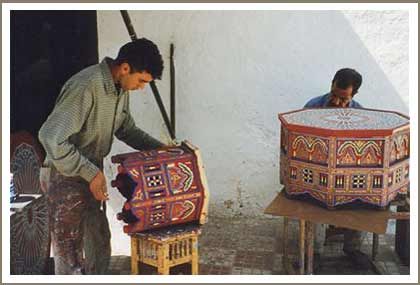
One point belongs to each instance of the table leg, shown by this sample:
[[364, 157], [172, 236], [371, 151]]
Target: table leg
[[302, 247], [285, 235], [163, 260], [375, 245], [194, 261], [285, 244], [310, 247]]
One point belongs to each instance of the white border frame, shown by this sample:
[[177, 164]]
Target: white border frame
[[413, 91]]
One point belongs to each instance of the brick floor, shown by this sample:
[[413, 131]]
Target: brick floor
[[253, 246]]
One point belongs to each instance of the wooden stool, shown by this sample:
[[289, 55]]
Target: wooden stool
[[166, 248]]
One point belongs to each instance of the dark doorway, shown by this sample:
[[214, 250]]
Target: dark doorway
[[47, 47]]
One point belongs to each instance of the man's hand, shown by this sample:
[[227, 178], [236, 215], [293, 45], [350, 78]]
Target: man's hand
[[98, 187]]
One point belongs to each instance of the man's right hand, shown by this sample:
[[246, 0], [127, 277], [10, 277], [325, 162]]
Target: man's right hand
[[98, 187]]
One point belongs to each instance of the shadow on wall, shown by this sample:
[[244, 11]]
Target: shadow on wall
[[377, 90]]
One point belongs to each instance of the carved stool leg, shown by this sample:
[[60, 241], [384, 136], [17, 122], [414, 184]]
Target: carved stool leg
[[163, 260], [194, 256]]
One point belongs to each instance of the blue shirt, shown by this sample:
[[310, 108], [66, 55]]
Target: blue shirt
[[322, 101]]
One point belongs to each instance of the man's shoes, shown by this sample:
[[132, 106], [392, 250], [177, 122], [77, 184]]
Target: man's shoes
[[359, 259]]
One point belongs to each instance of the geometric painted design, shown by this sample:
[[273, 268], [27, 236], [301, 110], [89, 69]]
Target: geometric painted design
[[377, 181], [319, 195], [190, 174], [134, 173], [151, 168], [398, 175], [323, 179], [358, 181], [182, 210], [359, 153], [400, 148], [390, 178], [159, 154], [311, 149], [365, 151], [345, 119], [293, 172], [339, 181], [157, 218], [181, 177], [345, 199], [154, 181], [168, 187], [307, 175]]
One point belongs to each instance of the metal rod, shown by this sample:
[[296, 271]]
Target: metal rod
[[162, 108], [155, 91], [172, 90], [128, 24]]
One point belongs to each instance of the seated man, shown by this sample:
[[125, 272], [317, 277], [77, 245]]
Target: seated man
[[345, 85]]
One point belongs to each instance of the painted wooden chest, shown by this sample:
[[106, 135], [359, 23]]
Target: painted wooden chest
[[341, 155], [163, 187]]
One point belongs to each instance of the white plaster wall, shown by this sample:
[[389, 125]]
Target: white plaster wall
[[236, 70], [385, 35]]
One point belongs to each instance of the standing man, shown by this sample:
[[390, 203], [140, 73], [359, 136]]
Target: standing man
[[92, 107], [345, 85]]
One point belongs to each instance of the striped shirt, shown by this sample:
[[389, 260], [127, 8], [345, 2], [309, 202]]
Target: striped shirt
[[89, 111]]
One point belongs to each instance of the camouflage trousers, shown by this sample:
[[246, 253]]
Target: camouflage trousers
[[80, 234], [352, 239]]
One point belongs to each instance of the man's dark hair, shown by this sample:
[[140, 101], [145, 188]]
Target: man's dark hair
[[346, 77], [142, 55]]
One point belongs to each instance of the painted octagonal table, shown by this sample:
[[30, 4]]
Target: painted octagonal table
[[340, 155]]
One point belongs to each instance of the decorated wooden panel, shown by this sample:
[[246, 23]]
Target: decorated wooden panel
[[29, 235], [360, 153], [29, 223], [163, 187], [309, 148], [343, 155], [25, 162]]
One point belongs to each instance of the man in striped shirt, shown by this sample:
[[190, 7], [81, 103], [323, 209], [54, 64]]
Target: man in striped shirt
[[92, 107]]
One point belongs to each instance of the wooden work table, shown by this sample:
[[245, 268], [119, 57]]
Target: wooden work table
[[308, 214]]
